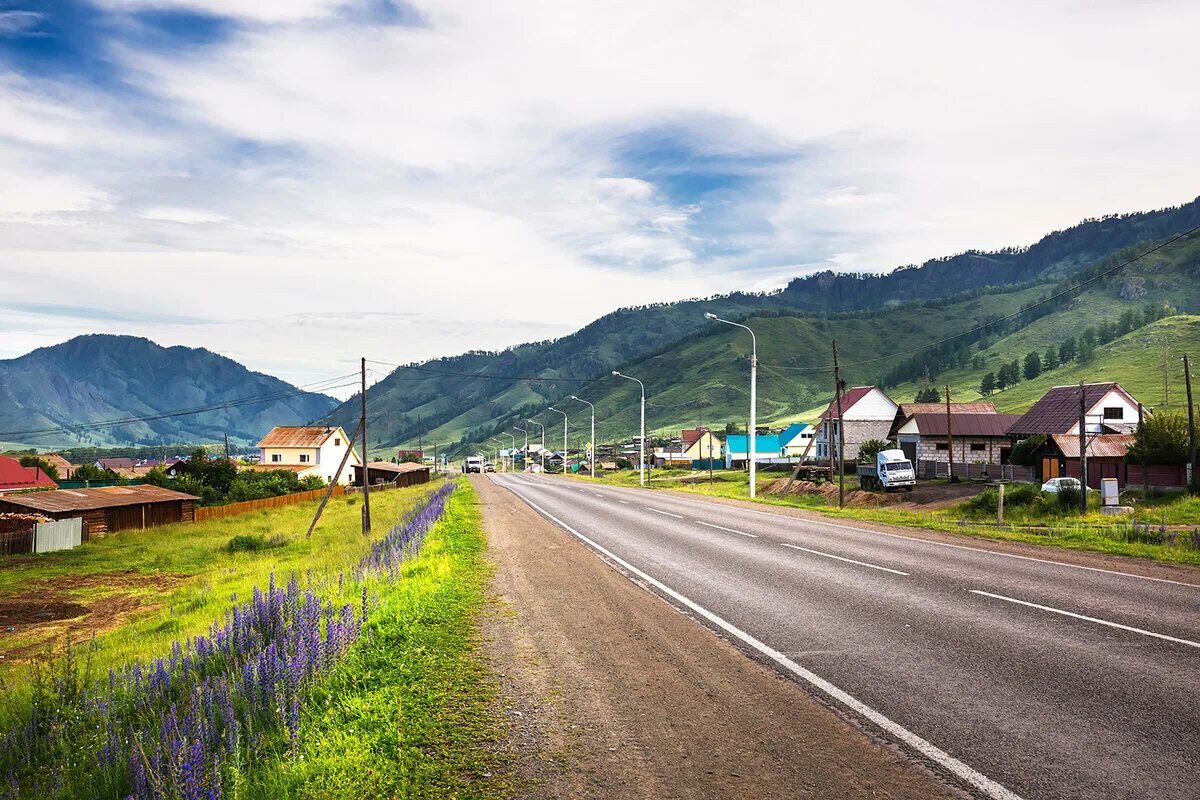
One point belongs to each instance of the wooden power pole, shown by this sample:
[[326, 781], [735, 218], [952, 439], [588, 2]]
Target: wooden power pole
[[1082, 451], [1142, 437], [366, 510], [841, 454], [950, 436], [1194, 486]]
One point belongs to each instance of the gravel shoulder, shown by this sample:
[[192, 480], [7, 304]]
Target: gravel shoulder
[[609, 691]]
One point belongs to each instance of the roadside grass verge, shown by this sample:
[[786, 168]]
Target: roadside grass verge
[[1044, 525], [407, 712], [175, 580]]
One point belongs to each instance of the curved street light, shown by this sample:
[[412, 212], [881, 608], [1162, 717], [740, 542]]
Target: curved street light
[[752, 452], [593, 447], [564, 460], [542, 452], [642, 445]]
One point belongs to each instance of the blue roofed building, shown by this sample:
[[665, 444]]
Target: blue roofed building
[[767, 448]]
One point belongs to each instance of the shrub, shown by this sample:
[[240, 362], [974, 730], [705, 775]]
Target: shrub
[[254, 542], [1068, 498]]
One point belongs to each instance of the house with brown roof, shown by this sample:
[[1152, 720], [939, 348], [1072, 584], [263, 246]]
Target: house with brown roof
[[109, 509], [976, 437], [867, 413], [309, 450]]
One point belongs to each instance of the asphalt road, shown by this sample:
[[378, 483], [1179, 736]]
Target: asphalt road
[[1023, 678]]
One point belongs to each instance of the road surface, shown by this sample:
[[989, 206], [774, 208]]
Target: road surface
[[1022, 678]]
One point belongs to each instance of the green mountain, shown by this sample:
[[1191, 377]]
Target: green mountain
[[99, 377], [696, 371]]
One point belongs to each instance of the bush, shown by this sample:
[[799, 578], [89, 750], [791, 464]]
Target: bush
[[254, 542], [1068, 498]]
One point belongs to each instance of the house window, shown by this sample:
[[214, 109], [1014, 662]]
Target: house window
[[1114, 412], [943, 446], [976, 446], [337, 442], [304, 458], [276, 458]]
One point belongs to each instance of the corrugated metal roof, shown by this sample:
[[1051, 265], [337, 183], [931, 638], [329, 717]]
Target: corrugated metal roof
[[14, 476], [1112, 445], [397, 469], [983, 425], [91, 499], [299, 436], [1058, 410], [764, 444], [908, 409]]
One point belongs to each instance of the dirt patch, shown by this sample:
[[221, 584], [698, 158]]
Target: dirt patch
[[16, 611], [927, 497], [611, 692], [122, 579]]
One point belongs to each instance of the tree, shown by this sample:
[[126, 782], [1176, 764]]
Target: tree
[[1033, 365], [988, 384], [90, 472], [1025, 450], [1087, 350], [1162, 439], [42, 464], [1004, 377], [1067, 351], [870, 448], [928, 395], [1014, 371], [1050, 359]]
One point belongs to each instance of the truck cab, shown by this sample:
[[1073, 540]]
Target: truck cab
[[473, 464]]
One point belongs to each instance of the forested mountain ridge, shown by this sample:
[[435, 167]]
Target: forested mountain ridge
[[100, 377], [444, 399]]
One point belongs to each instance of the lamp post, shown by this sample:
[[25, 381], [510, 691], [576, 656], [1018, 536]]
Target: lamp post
[[556, 411], [525, 452], [593, 440], [642, 444], [542, 452], [753, 453], [514, 446]]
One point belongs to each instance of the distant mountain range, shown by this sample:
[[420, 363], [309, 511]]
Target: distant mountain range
[[96, 378], [695, 369]]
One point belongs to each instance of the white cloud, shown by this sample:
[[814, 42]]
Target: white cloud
[[469, 170]]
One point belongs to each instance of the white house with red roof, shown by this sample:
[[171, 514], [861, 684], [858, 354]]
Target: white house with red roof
[[867, 413]]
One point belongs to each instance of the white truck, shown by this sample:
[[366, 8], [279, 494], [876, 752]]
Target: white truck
[[892, 470], [473, 464]]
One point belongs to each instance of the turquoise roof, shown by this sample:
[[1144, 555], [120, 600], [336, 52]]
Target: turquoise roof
[[765, 444]]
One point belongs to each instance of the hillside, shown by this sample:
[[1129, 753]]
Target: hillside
[[100, 377], [703, 379], [448, 399]]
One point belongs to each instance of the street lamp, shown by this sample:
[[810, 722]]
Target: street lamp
[[752, 453], [514, 447], [525, 452], [556, 411], [642, 445], [593, 448], [542, 452]]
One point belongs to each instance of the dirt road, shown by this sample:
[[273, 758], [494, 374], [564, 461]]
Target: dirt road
[[611, 692]]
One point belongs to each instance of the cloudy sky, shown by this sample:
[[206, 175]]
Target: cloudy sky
[[294, 183]]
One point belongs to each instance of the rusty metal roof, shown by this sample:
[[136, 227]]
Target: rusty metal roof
[[62, 500], [984, 425], [1105, 446], [300, 435]]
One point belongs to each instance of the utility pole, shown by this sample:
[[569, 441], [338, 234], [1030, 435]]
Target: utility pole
[[841, 456], [226, 445], [366, 459], [1142, 437], [1082, 451], [1194, 487], [1166, 389], [420, 433], [950, 436]]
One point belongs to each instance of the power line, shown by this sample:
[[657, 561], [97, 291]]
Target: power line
[[430, 370], [1177, 237]]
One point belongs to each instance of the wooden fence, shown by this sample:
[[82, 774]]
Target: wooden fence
[[246, 506]]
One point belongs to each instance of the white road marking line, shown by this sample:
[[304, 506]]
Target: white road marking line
[[730, 530], [598, 495], [942, 544], [930, 751], [664, 513], [623, 502], [1130, 628], [841, 558]]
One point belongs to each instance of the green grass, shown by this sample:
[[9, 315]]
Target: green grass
[[195, 573], [407, 713], [1044, 525]]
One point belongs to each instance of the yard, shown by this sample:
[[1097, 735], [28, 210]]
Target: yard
[[392, 701]]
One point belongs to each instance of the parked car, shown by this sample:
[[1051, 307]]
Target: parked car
[[489, 467], [1055, 484]]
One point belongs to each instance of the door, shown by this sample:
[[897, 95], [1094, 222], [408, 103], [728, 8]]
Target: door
[[1049, 468], [910, 451]]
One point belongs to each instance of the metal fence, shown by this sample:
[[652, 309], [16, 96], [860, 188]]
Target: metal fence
[[1009, 473], [63, 534]]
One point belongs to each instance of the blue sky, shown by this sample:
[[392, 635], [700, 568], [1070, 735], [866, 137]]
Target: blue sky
[[231, 175]]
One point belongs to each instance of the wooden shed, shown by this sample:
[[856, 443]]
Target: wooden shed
[[108, 509], [385, 472]]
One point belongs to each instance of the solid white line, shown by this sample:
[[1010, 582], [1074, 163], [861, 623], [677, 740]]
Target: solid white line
[[1089, 619], [930, 751], [919, 540], [730, 530], [598, 495], [623, 502], [664, 513], [841, 558]]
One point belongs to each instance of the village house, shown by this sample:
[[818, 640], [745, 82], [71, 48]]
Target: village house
[[980, 435], [110, 509], [117, 465], [766, 446], [694, 449], [64, 467], [798, 440], [867, 413], [16, 478], [309, 450], [1107, 408]]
